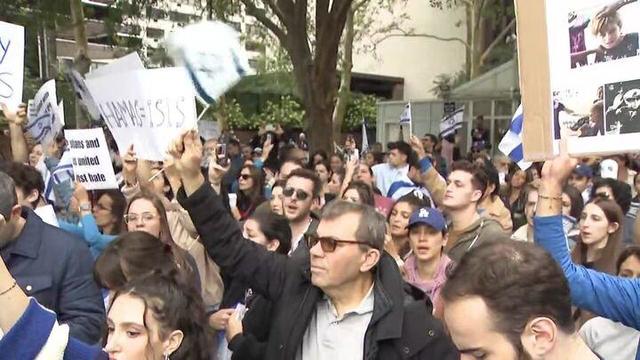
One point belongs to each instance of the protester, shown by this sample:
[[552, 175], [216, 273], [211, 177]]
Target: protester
[[525, 232], [250, 191], [287, 167], [513, 196], [100, 224], [491, 206], [50, 265], [334, 185], [152, 318], [466, 185], [397, 167], [426, 265], [604, 295], [581, 179], [610, 339], [509, 300], [317, 157], [358, 192], [277, 197], [323, 170], [301, 193], [336, 162], [172, 225], [28, 183], [247, 337], [398, 222], [430, 143], [339, 277]]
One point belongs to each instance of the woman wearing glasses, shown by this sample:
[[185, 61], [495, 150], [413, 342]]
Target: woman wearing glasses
[[250, 188], [101, 223], [172, 225]]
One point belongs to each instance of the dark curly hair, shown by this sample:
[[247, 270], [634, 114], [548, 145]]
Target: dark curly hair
[[175, 307]]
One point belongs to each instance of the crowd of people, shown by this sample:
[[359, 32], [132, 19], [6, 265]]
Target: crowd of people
[[267, 251]]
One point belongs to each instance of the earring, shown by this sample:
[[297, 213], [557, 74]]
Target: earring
[[166, 357]]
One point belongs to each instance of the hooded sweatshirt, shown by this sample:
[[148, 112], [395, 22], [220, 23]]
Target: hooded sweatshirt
[[431, 287]]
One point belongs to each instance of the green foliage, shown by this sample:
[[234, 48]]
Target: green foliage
[[360, 107], [445, 83]]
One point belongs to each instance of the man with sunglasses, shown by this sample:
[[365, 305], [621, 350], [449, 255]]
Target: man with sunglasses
[[342, 298], [301, 192]]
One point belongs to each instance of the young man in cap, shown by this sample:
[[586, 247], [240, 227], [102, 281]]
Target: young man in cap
[[581, 180]]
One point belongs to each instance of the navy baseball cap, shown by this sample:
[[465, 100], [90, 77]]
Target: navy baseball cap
[[584, 171], [428, 216]]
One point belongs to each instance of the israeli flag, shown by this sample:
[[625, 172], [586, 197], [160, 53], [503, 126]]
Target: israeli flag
[[452, 122], [405, 118], [511, 144]]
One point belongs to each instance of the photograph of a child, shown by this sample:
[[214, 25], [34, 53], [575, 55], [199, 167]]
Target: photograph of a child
[[622, 102], [578, 112], [606, 32]]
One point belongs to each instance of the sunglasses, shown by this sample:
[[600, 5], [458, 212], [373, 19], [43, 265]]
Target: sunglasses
[[329, 244], [300, 194], [245, 177]]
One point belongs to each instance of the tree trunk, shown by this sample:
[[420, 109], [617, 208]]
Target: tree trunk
[[81, 61], [344, 92]]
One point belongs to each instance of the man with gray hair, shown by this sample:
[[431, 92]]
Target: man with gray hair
[[50, 265], [343, 299]]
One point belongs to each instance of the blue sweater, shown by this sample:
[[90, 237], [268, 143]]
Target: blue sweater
[[29, 335], [612, 297], [88, 230]]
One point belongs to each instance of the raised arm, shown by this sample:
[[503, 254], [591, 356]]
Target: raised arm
[[242, 259], [16, 120], [430, 176], [612, 297]]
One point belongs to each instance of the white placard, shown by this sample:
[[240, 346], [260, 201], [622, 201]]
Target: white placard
[[11, 64], [80, 88], [130, 62], [213, 66], [43, 114], [147, 108], [595, 74], [90, 158]]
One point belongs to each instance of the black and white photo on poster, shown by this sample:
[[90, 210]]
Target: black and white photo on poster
[[622, 101], [578, 112]]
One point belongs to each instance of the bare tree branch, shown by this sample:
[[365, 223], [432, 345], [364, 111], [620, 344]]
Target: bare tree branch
[[261, 15], [429, 36], [497, 41]]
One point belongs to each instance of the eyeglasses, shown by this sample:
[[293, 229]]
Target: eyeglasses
[[300, 194], [133, 218], [329, 244], [245, 177]]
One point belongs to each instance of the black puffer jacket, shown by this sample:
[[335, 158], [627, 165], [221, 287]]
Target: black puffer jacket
[[400, 328]]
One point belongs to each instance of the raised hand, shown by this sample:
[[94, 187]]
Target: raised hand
[[130, 166], [555, 172], [416, 145], [18, 117], [186, 151]]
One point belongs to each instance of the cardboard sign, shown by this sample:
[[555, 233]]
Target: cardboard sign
[[148, 108], [11, 64], [44, 117], [90, 158], [581, 78], [213, 66]]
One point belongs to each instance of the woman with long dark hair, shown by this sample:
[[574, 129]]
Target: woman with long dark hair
[[250, 191]]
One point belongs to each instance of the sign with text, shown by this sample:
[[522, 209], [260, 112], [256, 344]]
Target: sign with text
[[45, 119], [90, 159], [11, 64], [580, 76], [147, 108]]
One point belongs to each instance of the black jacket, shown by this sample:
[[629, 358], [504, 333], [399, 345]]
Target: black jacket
[[399, 328]]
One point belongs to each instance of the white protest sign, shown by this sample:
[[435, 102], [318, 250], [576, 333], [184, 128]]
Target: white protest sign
[[213, 66], [43, 114], [147, 108], [130, 62], [90, 158], [11, 64]]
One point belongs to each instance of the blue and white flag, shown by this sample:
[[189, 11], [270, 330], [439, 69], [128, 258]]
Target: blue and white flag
[[365, 138], [405, 118], [511, 143], [452, 122], [212, 54]]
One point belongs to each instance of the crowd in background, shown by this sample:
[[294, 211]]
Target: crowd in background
[[266, 250]]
